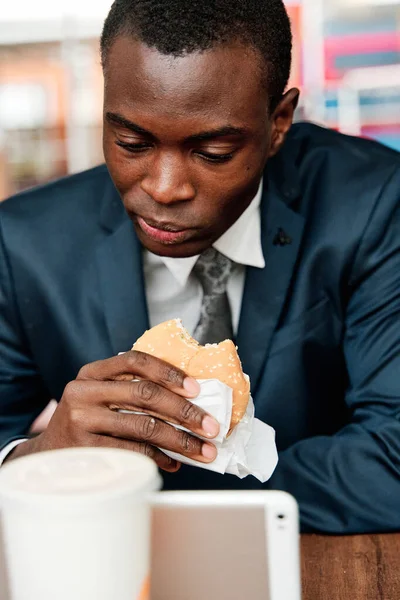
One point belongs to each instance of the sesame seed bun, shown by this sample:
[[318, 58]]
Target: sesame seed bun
[[171, 342]]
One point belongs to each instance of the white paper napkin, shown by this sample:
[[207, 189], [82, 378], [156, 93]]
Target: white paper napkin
[[249, 450]]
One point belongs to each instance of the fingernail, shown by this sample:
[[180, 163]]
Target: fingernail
[[210, 426], [191, 386], [209, 452]]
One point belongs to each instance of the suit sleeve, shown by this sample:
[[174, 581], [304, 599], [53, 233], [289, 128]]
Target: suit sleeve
[[23, 395], [350, 482]]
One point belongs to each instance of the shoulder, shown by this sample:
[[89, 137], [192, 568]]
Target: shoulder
[[342, 159], [346, 189], [60, 196], [66, 209], [340, 177], [313, 135], [66, 213]]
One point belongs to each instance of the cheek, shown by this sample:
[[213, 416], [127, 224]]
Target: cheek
[[244, 188], [235, 179], [240, 181], [219, 206]]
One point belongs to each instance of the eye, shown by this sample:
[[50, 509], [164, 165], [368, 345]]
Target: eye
[[216, 158], [134, 148]]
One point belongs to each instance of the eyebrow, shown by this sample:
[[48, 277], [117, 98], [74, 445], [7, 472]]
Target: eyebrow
[[198, 137], [119, 120]]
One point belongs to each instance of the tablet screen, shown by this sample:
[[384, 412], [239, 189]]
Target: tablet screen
[[209, 553]]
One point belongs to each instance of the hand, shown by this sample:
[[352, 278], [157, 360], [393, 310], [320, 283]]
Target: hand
[[87, 413]]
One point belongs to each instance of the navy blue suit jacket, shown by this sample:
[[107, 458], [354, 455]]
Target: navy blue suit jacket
[[319, 330]]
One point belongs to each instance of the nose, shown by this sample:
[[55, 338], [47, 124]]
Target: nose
[[166, 180]]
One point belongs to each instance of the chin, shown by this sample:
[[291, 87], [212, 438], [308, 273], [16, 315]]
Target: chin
[[180, 250]]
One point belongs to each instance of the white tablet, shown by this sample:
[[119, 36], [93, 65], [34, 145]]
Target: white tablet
[[225, 545]]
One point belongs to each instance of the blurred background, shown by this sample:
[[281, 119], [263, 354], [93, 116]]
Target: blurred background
[[346, 62]]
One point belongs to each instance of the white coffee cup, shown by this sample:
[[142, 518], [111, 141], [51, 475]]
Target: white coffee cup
[[76, 524]]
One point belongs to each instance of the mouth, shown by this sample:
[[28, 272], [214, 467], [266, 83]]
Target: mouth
[[164, 233]]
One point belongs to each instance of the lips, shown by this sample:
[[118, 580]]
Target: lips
[[163, 233], [164, 226]]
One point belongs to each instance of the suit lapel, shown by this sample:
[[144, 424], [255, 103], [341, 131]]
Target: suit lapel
[[120, 272], [266, 289]]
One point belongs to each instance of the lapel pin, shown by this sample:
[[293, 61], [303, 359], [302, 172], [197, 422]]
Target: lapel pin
[[282, 238]]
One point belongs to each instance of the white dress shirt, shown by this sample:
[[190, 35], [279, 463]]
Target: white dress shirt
[[173, 291]]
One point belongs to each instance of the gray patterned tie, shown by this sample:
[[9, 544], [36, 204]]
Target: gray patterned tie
[[215, 324]]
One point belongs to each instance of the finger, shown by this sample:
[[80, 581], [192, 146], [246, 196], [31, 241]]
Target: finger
[[145, 396], [139, 364], [162, 460], [144, 428], [164, 404]]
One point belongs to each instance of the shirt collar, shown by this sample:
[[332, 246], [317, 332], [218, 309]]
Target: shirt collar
[[241, 243]]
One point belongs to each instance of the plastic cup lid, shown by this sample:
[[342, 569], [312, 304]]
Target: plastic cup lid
[[78, 474]]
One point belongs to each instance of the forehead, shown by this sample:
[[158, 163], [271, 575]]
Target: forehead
[[223, 84]]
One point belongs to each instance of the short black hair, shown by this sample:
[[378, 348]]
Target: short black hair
[[179, 27]]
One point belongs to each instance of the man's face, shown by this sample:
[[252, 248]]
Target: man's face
[[185, 140]]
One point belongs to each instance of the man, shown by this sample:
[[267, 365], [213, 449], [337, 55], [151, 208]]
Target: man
[[199, 144]]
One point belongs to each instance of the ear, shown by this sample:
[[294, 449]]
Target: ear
[[282, 119]]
